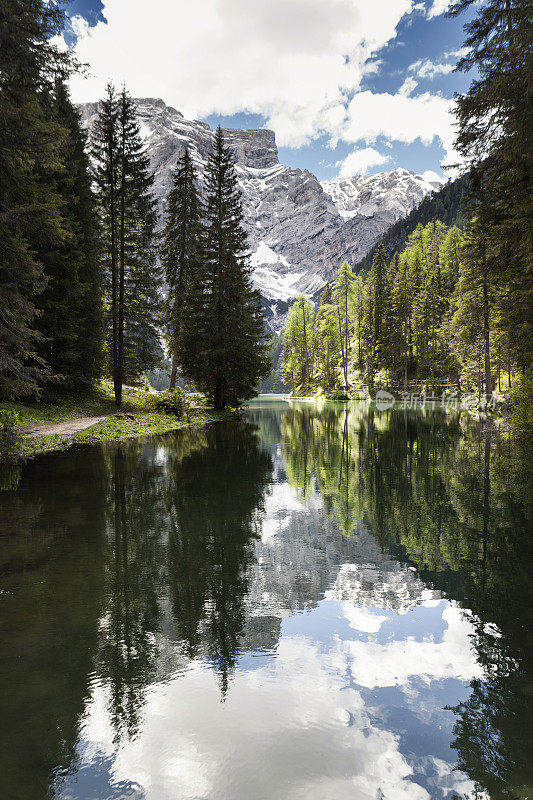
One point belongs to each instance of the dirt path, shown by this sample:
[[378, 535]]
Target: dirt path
[[63, 428]]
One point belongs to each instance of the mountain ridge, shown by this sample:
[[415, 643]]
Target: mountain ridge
[[298, 232]]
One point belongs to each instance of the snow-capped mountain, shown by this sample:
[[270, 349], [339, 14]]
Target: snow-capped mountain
[[397, 192], [299, 230]]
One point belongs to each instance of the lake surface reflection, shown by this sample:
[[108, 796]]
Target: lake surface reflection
[[314, 604]]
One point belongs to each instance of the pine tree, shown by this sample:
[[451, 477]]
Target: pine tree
[[106, 173], [224, 352], [128, 218], [344, 297], [473, 305], [139, 348], [71, 319], [500, 154], [29, 210], [181, 251]]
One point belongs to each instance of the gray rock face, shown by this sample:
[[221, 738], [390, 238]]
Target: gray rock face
[[299, 230]]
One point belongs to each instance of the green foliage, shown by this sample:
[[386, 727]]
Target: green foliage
[[30, 142], [338, 396], [223, 351], [10, 438], [172, 401], [499, 155], [181, 252], [71, 318], [128, 219], [518, 406], [296, 338]]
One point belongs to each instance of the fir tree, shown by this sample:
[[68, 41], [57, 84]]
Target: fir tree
[[500, 154], [139, 348], [181, 251], [29, 209], [128, 216], [71, 319], [344, 296], [106, 173], [223, 348]]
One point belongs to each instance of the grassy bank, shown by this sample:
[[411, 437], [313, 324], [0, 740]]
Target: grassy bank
[[136, 417]]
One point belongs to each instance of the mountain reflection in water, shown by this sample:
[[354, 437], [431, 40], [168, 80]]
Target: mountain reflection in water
[[305, 603]]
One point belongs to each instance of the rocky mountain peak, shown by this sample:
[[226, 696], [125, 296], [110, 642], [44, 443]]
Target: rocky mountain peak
[[255, 149], [299, 230]]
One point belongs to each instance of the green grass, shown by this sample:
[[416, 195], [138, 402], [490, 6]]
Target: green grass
[[135, 418], [113, 429], [94, 403]]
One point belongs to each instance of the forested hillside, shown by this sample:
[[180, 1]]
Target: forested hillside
[[447, 206], [446, 297]]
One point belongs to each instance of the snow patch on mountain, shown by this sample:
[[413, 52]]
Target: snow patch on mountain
[[299, 230], [396, 192]]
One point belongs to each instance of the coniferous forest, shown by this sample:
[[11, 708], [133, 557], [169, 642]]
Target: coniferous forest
[[82, 260], [206, 593], [446, 298], [90, 288]]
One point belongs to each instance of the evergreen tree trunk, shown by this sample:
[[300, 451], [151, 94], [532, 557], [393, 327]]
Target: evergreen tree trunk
[[114, 270], [486, 336], [122, 269], [174, 369]]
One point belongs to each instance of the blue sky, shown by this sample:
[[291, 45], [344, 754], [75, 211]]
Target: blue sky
[[351, 90]]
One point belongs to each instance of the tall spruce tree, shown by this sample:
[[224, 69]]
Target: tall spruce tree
[[71, 319], [496, 140], [106, 173], [139, 317], [128, 218], [223, 348], [29, 209], [344, 293], [181, 251], [376, 309]]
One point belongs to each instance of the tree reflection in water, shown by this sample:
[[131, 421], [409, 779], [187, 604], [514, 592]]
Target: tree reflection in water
[[455, 500]]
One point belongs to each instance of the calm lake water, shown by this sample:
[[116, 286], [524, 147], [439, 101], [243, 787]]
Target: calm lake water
[[302, 605]]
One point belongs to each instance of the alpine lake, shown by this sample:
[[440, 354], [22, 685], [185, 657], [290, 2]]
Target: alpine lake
[[306, 603]]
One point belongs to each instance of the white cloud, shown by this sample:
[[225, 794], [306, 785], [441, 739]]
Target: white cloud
[[293, 61], [359, 162], [293, 724], [296, 62], [408, 86], [433, 177], [428, 69], [438, 7], [401, 118]]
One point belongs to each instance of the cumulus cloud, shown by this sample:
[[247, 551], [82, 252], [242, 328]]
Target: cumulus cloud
[[401, 118], [358, 162], [298, 63], [438, 7], [424, 68], [293, 61]]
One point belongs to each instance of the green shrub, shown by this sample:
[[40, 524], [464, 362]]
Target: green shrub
[[517, 407], [10, 438], [338, 396], [172, 401]]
